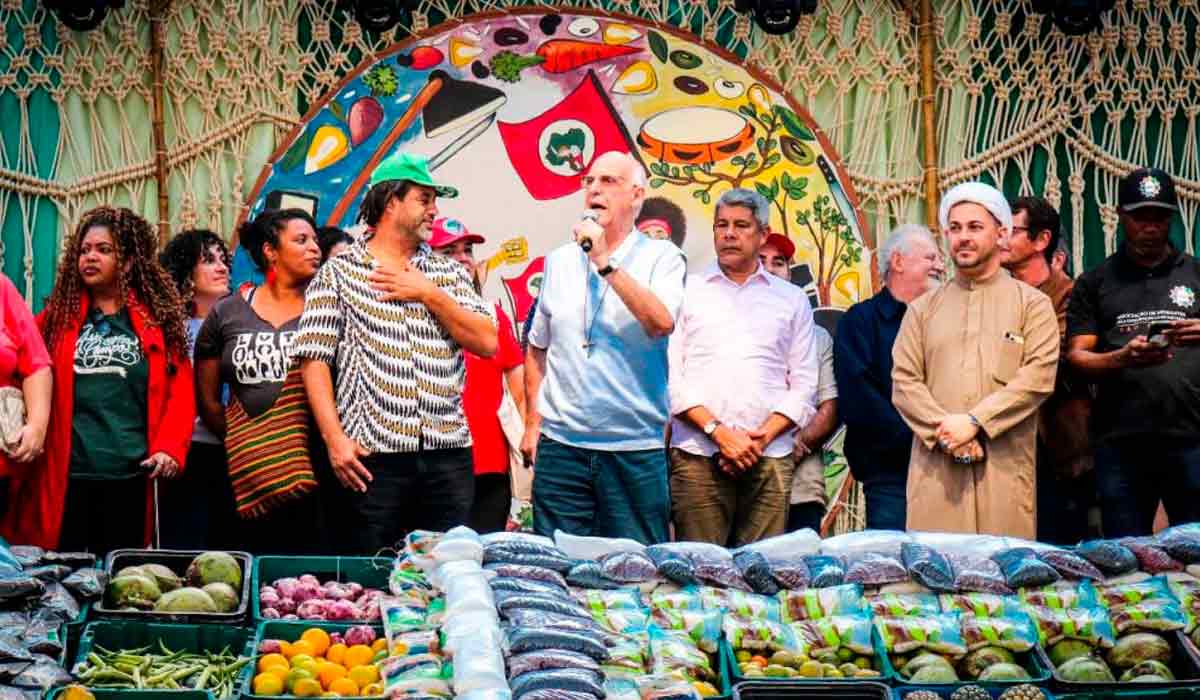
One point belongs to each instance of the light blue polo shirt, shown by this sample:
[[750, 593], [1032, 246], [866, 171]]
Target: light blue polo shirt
[[605, 386]]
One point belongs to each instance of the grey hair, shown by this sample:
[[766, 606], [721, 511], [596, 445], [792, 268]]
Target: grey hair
[[900, 240], [755, 202]]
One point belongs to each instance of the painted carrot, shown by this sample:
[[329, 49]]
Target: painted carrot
[[556, 56]]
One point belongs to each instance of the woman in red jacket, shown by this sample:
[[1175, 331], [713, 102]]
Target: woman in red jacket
[[123, 407]]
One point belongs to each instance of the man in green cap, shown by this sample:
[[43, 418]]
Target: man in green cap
[[390, 319]]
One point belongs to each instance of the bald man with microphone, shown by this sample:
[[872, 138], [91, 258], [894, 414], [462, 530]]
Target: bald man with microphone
[[596, 370]]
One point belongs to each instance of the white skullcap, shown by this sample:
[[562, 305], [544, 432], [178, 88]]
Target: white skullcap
[[985, 196]]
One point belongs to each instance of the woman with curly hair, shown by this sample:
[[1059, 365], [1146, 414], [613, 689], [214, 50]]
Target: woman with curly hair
[[197, 509], [246, 343], [123, 407]]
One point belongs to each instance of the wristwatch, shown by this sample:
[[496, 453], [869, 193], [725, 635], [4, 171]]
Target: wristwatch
[[606, 270], [711, 427]]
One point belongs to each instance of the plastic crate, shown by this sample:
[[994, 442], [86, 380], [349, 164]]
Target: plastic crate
[[944, 692], [1034, 663], [1184, 665], [177, 561], [129, 634], [371, 572], [290, 631], [116, 694], [886, 673], [791, 689], [1140, 693]]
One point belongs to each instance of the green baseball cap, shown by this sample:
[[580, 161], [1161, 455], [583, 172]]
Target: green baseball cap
[[414, 168]]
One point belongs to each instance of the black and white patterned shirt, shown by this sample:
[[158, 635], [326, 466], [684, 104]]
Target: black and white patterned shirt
[[399, 372]]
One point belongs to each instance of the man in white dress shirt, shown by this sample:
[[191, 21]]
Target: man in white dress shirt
[[743, 375]]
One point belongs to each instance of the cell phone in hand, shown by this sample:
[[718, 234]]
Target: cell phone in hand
[[1157, 334]]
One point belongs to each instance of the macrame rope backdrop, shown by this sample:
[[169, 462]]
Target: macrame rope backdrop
[[1017, 103]]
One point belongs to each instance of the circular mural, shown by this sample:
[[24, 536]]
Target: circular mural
[[511, 109]]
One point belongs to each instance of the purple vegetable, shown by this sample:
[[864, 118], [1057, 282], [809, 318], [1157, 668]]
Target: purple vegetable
[[342, 610], [314, 609], [285, 606], [270, 646], [270, 614], [286, 587], [336, 638], [356, 589], [310, 580], [360, 634], [306, 591], [269, 599], [292, 616], [263, 590]]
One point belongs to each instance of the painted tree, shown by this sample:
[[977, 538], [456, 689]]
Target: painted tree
[[838, 250]]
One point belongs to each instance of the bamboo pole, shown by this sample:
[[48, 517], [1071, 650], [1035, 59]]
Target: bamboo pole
[[927, 42], [158, 17]]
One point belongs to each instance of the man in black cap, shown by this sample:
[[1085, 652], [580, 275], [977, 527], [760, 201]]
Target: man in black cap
[[1133, 325]]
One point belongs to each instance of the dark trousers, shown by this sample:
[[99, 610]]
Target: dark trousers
[[334, 502], [887, 502], [102, 515], [805, 515], [425, 490], [196, 510], [1062, 504], [1134, 475], [607, 494], [493, 500], [291, 528]]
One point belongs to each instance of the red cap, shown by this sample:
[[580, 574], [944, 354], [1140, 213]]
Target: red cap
[[447, 231], [781, 243]]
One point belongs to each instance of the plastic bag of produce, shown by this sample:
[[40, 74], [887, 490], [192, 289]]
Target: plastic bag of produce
[[1022, 568], [928, 567], [399, 618], [87, 583], [1089, 625], [758, 634], [674, 653], [1152, 558], [508, 602], [686, 599], [59, 600], [1015, 632], [1147, 616], [825, 571], [588, 574], [572, 680], [628, 656], [26, 555], [526, 585], [75, 560], [851, 632], [1181, 542], [941, 634], [755, 568], [628, 567], [523, 639], [505, 536], [620, 599], [410, 667], [42, 675], [1061, 595], [43, 636], [792, 545], [959, 543], [418, 689], [978, 574], [673, 564], [48, 573], [791, 573], [815, 603], [666, 688], [740, 603], [627, 621], [532, 573], [416, 642], [1119, 595], [20, 586], [902, 604], [980, 604], [458, 544], [11, 648], [593, 548], [704, 627], [883, 541], [526, 553], [549, 659], [1070, 565], [550, 620], [1110, 556], [874, 568]]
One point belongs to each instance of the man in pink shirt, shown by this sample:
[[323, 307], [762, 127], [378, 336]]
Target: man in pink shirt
[[743, 375]]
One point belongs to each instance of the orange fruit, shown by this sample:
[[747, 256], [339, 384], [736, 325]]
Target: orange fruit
[[336, 653], [318, 639], [379, 644], [272, 661], [268, 684], [306, 688], [280, 672], [301, 646], [344, 687], [358, 655], [373, 691], [285, 648], [329, 673], [364, 675]]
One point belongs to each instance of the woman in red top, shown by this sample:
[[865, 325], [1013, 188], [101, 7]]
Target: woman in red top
[[25, 365], [123, 410], [483, 391]]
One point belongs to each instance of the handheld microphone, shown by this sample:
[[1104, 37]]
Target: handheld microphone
[[585, 242]]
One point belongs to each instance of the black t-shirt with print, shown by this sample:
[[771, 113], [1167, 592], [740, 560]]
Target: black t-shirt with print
[[255, 356], [1118, 301]]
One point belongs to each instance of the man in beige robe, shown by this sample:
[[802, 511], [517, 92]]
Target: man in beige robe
[[973, 362]]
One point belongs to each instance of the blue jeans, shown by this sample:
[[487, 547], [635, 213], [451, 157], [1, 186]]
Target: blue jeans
[[1133, 476], [607, 494], [887, 503]]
